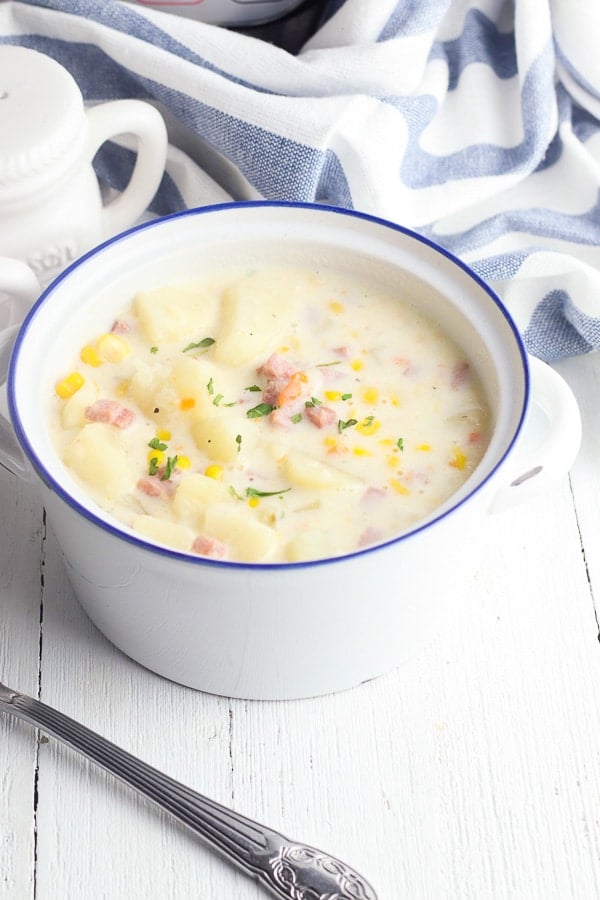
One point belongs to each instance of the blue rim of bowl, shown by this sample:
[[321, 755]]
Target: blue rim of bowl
[[96, 520]]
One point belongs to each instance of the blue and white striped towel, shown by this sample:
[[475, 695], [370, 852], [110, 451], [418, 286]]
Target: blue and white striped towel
[[476, 122]]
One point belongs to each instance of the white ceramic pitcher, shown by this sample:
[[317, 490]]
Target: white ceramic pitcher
[[51, 206]]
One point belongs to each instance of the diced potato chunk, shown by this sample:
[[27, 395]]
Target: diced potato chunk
[[222, 438], [150, 388], [176, 313], [248, 540], [162, 532], [98, 457], [73, 410], [198, 378], [194, 493], [307, 471], [254, 313]]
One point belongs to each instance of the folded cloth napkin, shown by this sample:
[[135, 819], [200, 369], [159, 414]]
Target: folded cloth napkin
[[474, 122]]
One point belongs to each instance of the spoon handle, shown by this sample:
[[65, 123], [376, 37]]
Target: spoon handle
[[286, 868]]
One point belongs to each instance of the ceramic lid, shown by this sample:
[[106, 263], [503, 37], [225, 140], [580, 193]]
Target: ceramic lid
[[42, 120]]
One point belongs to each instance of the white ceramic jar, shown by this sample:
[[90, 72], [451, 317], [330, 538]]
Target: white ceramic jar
[[51, 207], [226, 12]]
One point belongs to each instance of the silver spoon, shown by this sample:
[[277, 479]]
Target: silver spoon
[[287, 869]]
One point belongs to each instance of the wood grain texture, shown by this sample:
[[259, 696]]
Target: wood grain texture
[[471, 772]]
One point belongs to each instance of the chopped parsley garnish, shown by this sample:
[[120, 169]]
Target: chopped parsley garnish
[[253, 387], [314, 401], [153, 349], [217, 399], [157, 444], [368, 420], [296, 418], [170, 466], [238, 440], [153, 466], [347, 424], [261, 409], [210, 387], [400, 443], [335, 362], [252, 492], [199, 345], [346, 396]]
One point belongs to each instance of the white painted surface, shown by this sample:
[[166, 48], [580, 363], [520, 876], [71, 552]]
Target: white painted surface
[[471, 772]]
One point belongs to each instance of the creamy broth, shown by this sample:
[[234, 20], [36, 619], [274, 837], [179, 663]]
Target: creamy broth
[[273, 415]]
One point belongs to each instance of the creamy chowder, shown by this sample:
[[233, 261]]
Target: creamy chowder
[[272, 415]]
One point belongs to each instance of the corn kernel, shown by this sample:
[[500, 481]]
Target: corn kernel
[[214, 471], [187, 403], [371, 395], [399, 486], [163, 435], [253, 502], [183, 462], [393, 462], [69, 385], [424, 447], [90, 356], [157, 455], [333, 445], [356, 364], [361, 451], [333, 395], [336, 307], [113, 348], [123, 388], [459, 459], [368, 426], [386, 442]]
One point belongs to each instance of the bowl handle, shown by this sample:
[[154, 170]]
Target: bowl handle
[[550, 440]]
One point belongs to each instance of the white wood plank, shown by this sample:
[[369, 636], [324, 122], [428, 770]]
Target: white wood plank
[[21, 555]]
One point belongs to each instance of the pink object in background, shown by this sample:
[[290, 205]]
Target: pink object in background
[[226, 12]]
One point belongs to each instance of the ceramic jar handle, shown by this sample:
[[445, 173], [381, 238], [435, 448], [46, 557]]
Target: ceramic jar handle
[[549, 442], [122, 117]]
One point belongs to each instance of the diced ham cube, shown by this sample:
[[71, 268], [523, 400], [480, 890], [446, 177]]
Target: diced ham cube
[[459, 375], [321, 416], [369, 536], [155, 486], [208, 546], [151, 486], [110, 411], [280, 419], [273, 389], [373, 495], [120, 326], [277, 366], [283, 380]]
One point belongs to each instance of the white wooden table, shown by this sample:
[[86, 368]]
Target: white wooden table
[[472, 772]]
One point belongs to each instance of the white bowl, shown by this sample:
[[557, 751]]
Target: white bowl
[[283, 630]]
